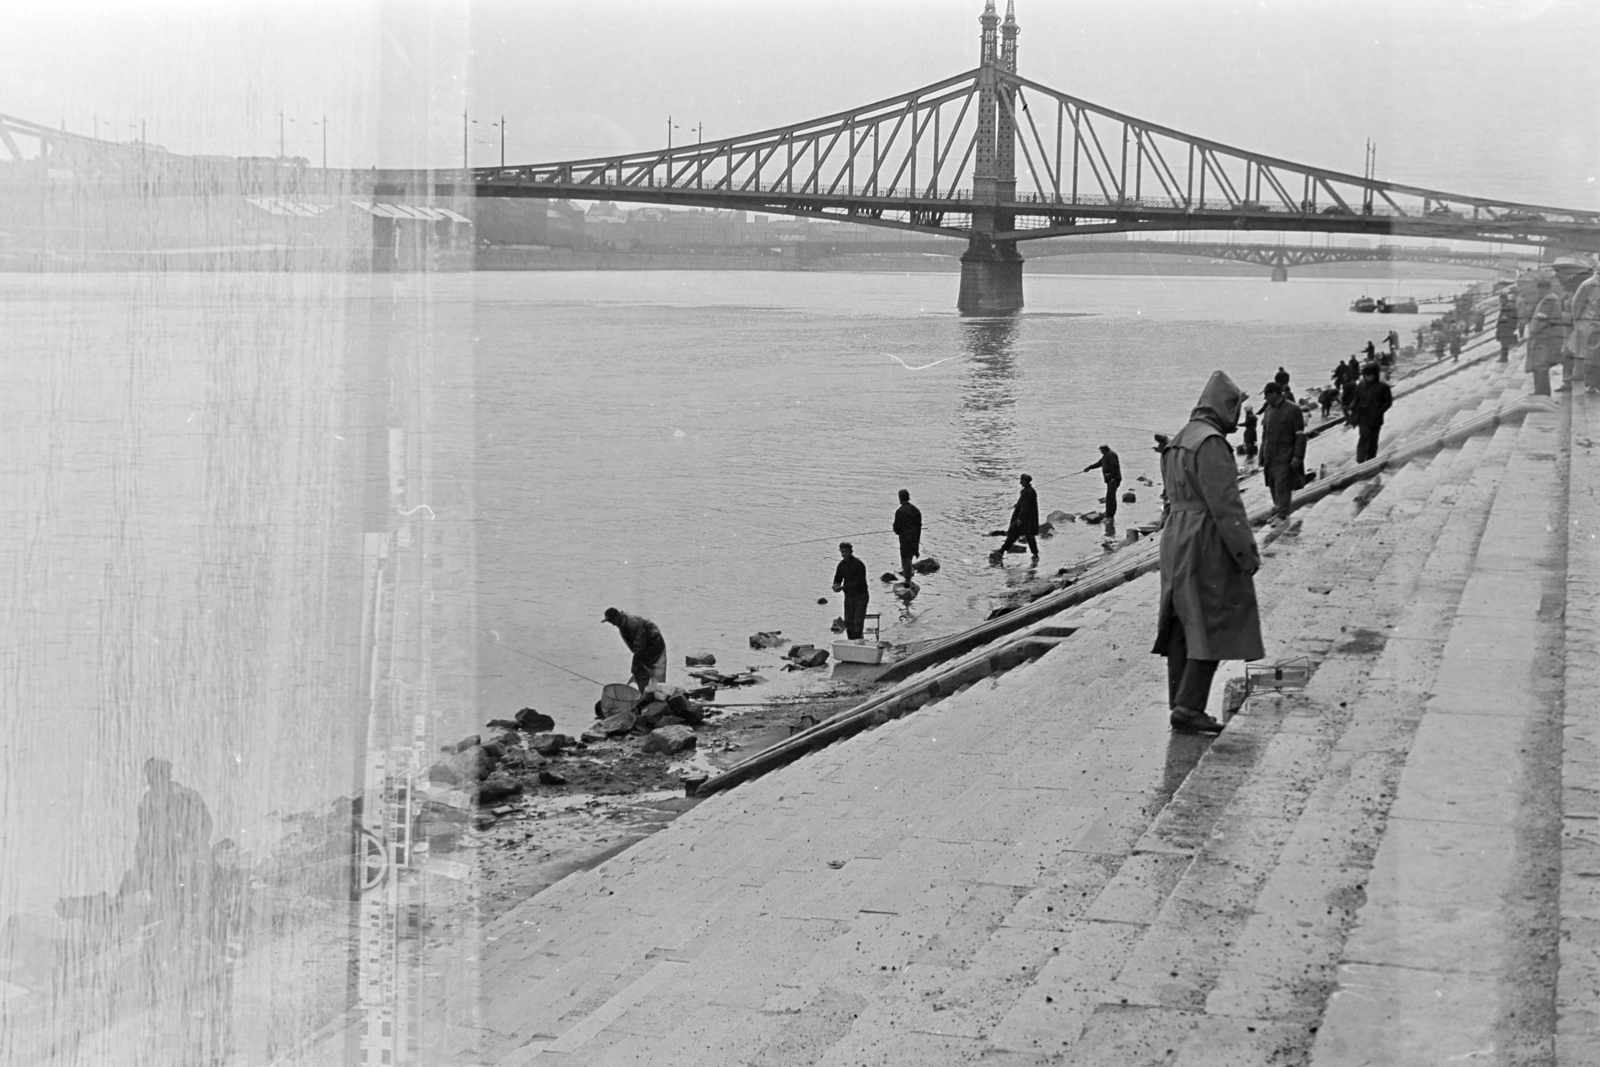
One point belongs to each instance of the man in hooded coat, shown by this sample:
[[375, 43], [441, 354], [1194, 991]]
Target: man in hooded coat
[[1208, 557]]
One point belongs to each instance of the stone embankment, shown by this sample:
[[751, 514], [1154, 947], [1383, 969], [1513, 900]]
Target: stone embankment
[[1398, 864]]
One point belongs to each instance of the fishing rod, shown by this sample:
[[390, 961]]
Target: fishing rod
[[541, 659]]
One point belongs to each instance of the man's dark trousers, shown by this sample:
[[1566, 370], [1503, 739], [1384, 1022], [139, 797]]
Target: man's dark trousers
[[1111, 499], [855, 614], [1281, 482], [1367, 442], [1188, 680], [908, 552]]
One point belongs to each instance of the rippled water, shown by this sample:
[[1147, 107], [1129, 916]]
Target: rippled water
[[290, 532], [661, 441]]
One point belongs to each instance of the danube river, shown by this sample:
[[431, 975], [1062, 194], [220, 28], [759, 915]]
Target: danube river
[[191, 462], [691, 446]]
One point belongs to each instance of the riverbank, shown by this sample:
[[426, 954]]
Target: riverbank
[[1033, 867]]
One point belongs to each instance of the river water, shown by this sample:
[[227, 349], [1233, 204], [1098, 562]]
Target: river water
[[692, 446], [196, 467]]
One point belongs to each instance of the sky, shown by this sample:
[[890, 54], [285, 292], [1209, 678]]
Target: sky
[[1476, 97]]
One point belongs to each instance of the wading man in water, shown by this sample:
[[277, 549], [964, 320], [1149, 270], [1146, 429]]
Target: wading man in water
[[1024, 522], [1111, 470], [1208, 559], [908, 528], [649, 648], [850, 577], [172, 856]]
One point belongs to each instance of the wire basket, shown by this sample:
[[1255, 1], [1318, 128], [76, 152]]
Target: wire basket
[[1286, 676]]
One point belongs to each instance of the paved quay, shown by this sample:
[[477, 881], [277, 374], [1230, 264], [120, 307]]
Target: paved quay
[[1398, 865]]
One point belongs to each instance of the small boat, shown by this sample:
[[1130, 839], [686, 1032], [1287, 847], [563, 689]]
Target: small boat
[[1365, 304], [1403, 306]]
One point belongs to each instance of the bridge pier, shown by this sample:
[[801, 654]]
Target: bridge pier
[[991, 278], [1280, 273]]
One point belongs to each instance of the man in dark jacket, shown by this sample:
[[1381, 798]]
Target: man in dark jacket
[[1111, 470], [850, 577], [1283, 447], [648, 646], [1373, 398], [1249, 433], [908, 528], [1505, 327], [1024, 521], [1208, 557]]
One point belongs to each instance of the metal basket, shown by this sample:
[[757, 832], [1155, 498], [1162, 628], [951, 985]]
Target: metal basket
[[1287, 676]]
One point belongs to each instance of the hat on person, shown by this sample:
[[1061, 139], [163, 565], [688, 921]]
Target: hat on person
[[1271, 389], [612, 615]]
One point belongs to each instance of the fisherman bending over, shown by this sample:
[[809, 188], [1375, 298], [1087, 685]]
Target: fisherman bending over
[[649, 648]]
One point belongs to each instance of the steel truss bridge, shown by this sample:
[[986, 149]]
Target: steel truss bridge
[[998, 159]]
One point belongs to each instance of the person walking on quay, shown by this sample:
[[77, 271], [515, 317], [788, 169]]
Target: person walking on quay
[[1249, 433], [1455, 342], [1111, 470], [850, 577], [1373, 398], [1024, 522], [908, 528], [649, 648], [1544, 337], [1352, 371], [1584, 342], [1283, 447], [1339, 372], [1208, 558], [1282, 378], [1505, 327]]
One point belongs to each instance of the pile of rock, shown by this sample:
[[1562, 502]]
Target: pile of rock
[[806, 656]]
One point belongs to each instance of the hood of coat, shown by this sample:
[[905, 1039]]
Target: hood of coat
[[1220, 403]]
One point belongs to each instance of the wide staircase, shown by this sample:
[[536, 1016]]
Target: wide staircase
[[1383, 868]]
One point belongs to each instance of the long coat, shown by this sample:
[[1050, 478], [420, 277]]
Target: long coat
[[1208, 552], [1025, 515], [1546, 334]]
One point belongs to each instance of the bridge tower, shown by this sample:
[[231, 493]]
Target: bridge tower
[[991, 271]]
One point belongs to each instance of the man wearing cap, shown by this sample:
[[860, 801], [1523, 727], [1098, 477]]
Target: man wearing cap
[[850, 577], [1373, 398], [1024, 521], [1283, 447], [649, 648], [1208, 557], [1111, 470], [1545, 336]]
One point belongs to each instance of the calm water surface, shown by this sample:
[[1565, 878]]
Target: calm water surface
[[692, 446]]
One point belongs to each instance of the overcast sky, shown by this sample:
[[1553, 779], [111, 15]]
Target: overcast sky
[[1488, 98]]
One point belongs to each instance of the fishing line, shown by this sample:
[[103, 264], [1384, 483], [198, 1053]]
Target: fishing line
[[496, 641]]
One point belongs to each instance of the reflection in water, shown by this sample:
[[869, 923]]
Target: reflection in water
[[988, 400]]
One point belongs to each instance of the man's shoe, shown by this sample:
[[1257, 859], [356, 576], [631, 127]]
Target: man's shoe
[[1185, 721], [1563, 388]]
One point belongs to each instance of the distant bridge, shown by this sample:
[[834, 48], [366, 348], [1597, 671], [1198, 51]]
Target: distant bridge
[[943, 159], [986, 156]]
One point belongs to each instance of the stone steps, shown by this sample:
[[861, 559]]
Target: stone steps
[[1221, 841], [1453, 955]]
